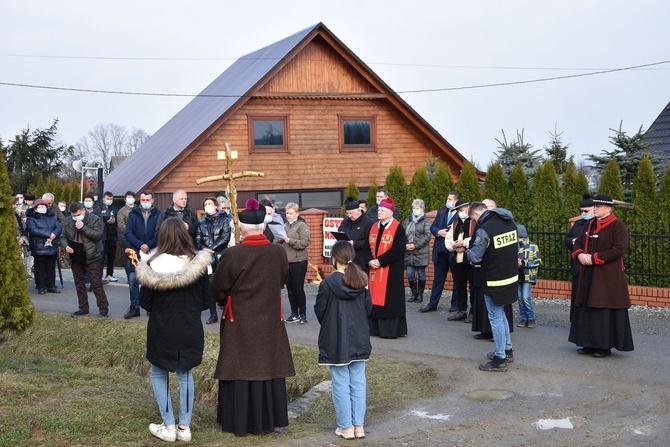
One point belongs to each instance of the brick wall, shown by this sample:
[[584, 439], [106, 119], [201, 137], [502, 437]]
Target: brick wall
[[545, 288]]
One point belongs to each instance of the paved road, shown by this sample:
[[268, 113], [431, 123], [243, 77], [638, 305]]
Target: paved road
[[623, 400]]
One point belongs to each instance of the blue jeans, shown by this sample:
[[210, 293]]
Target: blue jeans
[[349, 393], [499, 327], [133, 284], [159, 380], [526, 309], [414, 270]]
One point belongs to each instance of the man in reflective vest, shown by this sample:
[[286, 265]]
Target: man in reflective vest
[[495, 249]]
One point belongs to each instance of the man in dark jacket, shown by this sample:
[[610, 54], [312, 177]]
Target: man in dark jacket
[[496, 248], [372, 212], [441, 256], [82, 233], [586, 209], [356, 226], [180, 209], [140, 237], [111, 236]]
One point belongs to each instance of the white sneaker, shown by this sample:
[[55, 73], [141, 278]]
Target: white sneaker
[[163, 433], [110, 278], [183, 434]]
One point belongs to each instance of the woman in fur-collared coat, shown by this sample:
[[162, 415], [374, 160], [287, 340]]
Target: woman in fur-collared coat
[[175, 290]]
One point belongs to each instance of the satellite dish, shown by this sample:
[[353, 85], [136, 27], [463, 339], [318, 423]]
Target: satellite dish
[[77, 165]]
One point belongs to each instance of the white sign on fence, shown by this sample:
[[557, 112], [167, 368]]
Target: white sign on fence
[[330, 224]]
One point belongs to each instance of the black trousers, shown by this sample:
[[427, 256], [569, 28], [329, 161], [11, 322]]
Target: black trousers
[[45, 271], [110, 256], [295, 285]]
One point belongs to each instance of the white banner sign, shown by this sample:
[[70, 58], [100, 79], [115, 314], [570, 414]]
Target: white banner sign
[[330, 224]]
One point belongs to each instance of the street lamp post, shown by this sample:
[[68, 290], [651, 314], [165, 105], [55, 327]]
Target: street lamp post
[[78, 166]]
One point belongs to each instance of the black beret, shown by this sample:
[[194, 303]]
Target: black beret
[[351, 204]]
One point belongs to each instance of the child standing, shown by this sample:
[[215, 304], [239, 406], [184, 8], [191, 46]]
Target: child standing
[[342, 307], [529, 261]]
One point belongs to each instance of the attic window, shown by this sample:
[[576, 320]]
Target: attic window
[[358, 133], [268, 133]]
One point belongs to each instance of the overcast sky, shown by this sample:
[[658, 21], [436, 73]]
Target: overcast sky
[[411, 45]]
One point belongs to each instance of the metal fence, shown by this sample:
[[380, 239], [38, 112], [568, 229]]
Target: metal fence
[[647, 260]]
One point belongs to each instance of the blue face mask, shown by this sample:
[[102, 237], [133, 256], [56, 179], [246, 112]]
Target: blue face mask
[[78, 218], [378, 202], [417, 213], [88, 205], [448, 205], [586, 216], [147, 206]]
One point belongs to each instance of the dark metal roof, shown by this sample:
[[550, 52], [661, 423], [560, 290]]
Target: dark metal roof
[[168, 143], [658, 135]]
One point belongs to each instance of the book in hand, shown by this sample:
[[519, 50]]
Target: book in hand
[[79, 254], [340, 236]]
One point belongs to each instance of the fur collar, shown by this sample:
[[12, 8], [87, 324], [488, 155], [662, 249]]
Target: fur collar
[[187, 276]]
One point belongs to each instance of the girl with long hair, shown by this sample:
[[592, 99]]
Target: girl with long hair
[[342, 307], [175, 290]]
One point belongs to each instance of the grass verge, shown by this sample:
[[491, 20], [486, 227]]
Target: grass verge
[[85, 381]]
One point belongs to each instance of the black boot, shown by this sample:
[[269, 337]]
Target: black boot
[[419, 291], [412, 288], [213, 318], [133, 311], [497, 364]]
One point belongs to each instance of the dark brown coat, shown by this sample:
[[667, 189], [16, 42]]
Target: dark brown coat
[[254, 344], [607, 240]]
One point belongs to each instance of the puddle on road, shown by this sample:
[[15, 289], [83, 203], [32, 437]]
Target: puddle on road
[[488, 395]]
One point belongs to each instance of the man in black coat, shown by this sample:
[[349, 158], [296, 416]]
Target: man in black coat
[[180, 210], [586, 208], [356, 226], [110, 237]]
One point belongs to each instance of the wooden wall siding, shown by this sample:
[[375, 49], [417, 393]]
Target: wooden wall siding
[[315, 160], [318, 68]]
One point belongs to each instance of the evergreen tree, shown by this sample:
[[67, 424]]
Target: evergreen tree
[[16, 310], [34, 155], [546, 196], [573, 190], [518, 195], [557, 151], [371, 200], [610, 183], [432, 165], [664, 208], [39, 189], [351, 192], [644, 194], [420, 187], [664, 227], [628, 153], [396, 185], [582, 181], [443, 184], [495, 185], [468, 183], [643, 220], [518, 151]]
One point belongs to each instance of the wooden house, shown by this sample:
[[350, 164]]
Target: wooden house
[[306, 111]]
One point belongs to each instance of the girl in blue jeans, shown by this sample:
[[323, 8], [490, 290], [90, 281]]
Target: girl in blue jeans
[[342, 307], [175, 289]]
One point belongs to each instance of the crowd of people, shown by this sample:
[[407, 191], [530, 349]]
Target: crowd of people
[[178, 264]]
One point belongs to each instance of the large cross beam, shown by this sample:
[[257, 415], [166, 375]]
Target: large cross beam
[[230, 177]]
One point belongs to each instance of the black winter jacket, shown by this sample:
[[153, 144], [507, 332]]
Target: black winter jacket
[[39, 227], [176, 299], [357, 231], [343, 312], [213, 232]]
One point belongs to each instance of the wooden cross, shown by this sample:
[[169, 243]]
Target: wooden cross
[[230, 178]]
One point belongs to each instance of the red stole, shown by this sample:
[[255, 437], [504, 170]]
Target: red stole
[[378, 278]]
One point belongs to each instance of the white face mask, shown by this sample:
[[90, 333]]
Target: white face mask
[[108, 202], [463, 216], [210, 209], [41, 209], [88, 205], [78, 218], [20, 201], [130, 201], [62, 209], [268, 219]]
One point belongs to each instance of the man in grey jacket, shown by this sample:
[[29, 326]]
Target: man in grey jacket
[[82, 233]]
